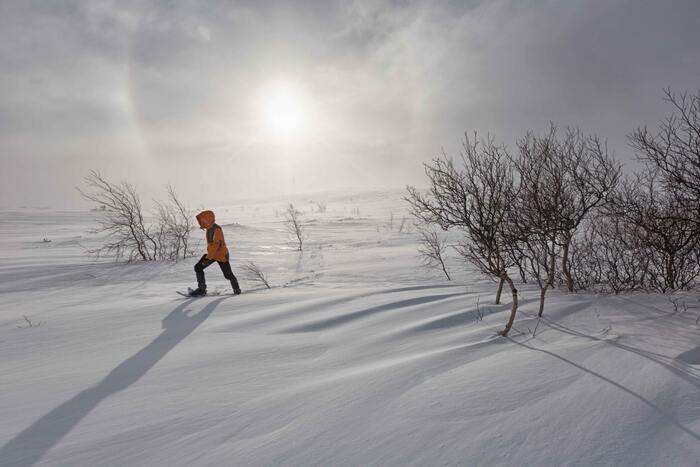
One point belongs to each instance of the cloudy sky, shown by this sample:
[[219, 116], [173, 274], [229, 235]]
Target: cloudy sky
[[233, 99]]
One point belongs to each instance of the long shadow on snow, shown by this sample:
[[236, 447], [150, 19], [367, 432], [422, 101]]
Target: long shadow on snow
[[33, 443], [667, 362], [324, 304], [691, 357], [658, 409], [342, 319]]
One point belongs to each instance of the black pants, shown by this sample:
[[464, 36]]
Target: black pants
[[225, 268]]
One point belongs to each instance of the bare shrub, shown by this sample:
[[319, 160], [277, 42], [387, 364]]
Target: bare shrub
[[432, 250], [585, 265], [664, 229], [644, 240], [175, 222], [610, 255], [127, 233], [589, 177], [675, 149], [474, 197], [294, 225], [536, 221], [122, 221], [255, 274]]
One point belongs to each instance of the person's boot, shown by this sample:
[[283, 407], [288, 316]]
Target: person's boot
[[199, 291], [236, 289]]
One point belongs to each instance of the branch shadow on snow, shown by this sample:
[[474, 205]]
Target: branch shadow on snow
[[29, 446], [328, 323], [655, 407], [670, 363]]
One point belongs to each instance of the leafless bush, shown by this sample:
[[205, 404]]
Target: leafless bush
[[432, 250], [536, 222], [255, 274], [175, 222], [294, 224], [610, 255], [586, 268], [127, 233], [476, 198], [664, 229], [643, 240], [675, 149], [321, 207], [587, 177]]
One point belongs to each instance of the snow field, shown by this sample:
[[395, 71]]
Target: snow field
[[356, 356]]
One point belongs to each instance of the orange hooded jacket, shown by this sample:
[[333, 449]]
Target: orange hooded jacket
[[216, 246]]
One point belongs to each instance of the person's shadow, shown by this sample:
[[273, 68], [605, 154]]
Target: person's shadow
[[33, 443]]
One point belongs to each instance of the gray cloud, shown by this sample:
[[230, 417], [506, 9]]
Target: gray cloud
[[164, 92]]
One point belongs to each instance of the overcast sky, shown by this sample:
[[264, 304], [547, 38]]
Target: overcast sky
[[178, 91]]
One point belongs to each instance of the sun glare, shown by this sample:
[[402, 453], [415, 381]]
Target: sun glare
[[283, 110]]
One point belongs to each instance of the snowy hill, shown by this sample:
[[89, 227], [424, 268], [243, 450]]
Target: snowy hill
[[356, 356]]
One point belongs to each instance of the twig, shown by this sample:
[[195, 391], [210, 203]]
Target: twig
[[256, 274], [30, 324]]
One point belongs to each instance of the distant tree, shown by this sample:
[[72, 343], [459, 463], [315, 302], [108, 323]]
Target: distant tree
[[474, 196], [294, 224], [432, 249]]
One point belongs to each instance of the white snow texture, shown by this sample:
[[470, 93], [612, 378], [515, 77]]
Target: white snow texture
[[355, 357]]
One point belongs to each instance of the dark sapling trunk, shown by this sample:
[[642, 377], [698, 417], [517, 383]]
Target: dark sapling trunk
[[498, 292], [514, 308]]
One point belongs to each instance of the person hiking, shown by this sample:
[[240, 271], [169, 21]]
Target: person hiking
[[217, 252]]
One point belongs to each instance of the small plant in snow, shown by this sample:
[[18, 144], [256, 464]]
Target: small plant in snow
[[402, 224], [679, 303], [432, 250], [478, 314], [30, 323], [321, 207], [294, 225], [255, 274]]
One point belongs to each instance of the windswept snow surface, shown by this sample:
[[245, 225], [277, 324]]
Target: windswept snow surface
[[356, 356]]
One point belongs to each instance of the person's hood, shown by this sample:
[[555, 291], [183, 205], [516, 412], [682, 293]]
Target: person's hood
[[205, 219]]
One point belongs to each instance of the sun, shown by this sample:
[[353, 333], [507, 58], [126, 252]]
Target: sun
[[283, 110]]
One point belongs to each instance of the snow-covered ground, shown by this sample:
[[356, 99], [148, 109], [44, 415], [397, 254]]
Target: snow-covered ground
[[356, 356]]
